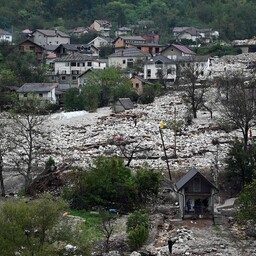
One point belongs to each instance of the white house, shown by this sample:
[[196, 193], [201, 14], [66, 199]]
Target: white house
[[174, 51], [5, 36], [50, 37], [101, 26], [160, 64], [68, 68], [42, 91], [101, 41], [126, 58]]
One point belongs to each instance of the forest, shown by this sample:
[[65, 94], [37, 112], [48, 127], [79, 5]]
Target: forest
[[234, 19]]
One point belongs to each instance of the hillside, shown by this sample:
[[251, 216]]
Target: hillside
[[233, 19]]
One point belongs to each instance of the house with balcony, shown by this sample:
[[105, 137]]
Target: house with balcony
[[103, 27], [160, 66], [50, 37], [28, 46], [126, 58], [68, 68], [123, 42]]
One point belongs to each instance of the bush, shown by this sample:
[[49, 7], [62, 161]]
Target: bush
[[137, 229]]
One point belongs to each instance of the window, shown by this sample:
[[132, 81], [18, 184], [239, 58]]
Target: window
[[63, 78], [124, 61], [73, 77], [73, 64], [25, 95], [89, 63], [137, 85], [130, 63], [32, 48], [149, 73], [40, 95]]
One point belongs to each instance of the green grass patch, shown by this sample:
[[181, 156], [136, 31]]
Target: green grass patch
[[92, 227]]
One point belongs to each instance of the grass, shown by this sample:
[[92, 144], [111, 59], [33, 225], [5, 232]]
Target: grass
[[92, 229]]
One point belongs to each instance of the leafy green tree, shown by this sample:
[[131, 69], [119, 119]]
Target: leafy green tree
[[247, 203], [137, 227], [241, 165], [108, 84], [148, 183], [29, 227], [150, 91], [73, 100]]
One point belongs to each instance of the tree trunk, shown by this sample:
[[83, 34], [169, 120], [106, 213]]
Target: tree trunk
[[1, 176]]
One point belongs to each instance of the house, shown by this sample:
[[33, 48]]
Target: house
[[199, 64], [101, 41], [138, 82], [246, 45], [65, 49], [42, 91], [196, 195], [123, 104], [28, 46], [101, 26], [79, 31], [50, 37], [139, 42], [123, 31], [68, 67], [174, 51], [160, 65], [5, 36], [194, 34], [126, 58]]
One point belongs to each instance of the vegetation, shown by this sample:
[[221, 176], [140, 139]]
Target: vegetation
[[31, 228], [241, 166], [247, 203], [110, 184], [137, 229], [224, 16]]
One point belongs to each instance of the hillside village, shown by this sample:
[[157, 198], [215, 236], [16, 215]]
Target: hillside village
[[183, 156]]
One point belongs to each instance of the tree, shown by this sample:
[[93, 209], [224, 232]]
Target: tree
[[176, 126], [26, 137], [241, 164], [137, 227], [73, 100], [108, 84], [247, 203], [238, 100], [28, 227], [189, 73]]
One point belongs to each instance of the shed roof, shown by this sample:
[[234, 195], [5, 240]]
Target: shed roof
[[126, 103], [37, 87], [188, 176]]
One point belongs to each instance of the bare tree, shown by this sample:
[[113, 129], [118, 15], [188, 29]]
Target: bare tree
[[238, 101], [189, 73], [27, 138]]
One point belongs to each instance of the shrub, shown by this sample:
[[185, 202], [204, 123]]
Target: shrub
[[137, 229]]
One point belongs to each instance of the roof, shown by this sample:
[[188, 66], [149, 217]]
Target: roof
[[129, 52], [194, 58], [181, 48], [126, 103], [161, 58], [140, 79], [37, 87], [51, 33], [104, 23], [32, 42], [50, 47], [3, 32], [188, 176], [130, 38], [74, 56]]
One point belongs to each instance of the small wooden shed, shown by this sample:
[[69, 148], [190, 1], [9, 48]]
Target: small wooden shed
[[123, 104], [196, 195]]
